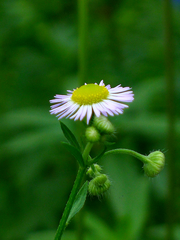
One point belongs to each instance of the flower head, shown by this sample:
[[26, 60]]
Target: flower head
[[91, 99]]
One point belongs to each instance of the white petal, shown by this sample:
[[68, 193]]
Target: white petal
[[101, 108], [61, 96], [55, 105], [123, 98], [55, 101], [107, 109], [68, 112], [96, 110], [62, 107], [119, 89], [77, 115], [64, 98], [85, 108], [115, 105], [101, 83], [89, 113]]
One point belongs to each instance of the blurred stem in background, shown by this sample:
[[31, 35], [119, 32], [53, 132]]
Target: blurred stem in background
[[82, 41], [82, 78], [170, 85]]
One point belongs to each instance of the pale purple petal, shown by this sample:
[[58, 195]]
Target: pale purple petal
[[121, 98], [61, 108], [77, 115], [101, 108], [56, 105], [63, 98], [106, 109], [108, 87], [68, 112]]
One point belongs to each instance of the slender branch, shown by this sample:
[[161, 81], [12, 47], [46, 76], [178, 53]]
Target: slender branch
[[139, 156], [70, 202], [86, 152]]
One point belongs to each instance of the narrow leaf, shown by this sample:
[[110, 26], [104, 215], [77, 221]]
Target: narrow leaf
[[75, 152], [70, 136], [78, 202]]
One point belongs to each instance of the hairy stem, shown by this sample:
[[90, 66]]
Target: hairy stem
[[70, 202], [86, 152], [139, 156]]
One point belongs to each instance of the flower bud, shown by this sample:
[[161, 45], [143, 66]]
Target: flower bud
[[99, 185], [103, 125], [92, 135], [94, 171], [155, 163]]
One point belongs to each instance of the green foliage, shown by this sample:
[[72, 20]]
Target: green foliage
[[70, 136]]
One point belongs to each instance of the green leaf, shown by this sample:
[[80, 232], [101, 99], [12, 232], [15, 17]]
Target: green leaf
[[78, 202], [75, 152], [70, 136]]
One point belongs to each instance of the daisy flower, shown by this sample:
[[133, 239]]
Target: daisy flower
[[91, 99]]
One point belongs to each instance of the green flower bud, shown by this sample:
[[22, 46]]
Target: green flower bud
[[92, 135], [103, 125], [99, 185], [155, 163], [94, 170]]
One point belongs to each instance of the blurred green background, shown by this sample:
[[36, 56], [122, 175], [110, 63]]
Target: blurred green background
[[39, 58]]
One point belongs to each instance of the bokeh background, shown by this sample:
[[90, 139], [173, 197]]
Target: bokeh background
[[39, 57]]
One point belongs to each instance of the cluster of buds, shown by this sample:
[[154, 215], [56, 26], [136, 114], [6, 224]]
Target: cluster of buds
[[99, 183], [100, 126]]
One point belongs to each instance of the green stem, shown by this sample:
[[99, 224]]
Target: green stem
[[87, 151], [70, 202], [139, 156], [75, 189]]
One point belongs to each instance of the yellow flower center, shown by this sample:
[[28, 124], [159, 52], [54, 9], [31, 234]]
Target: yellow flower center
[[89, 94]]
